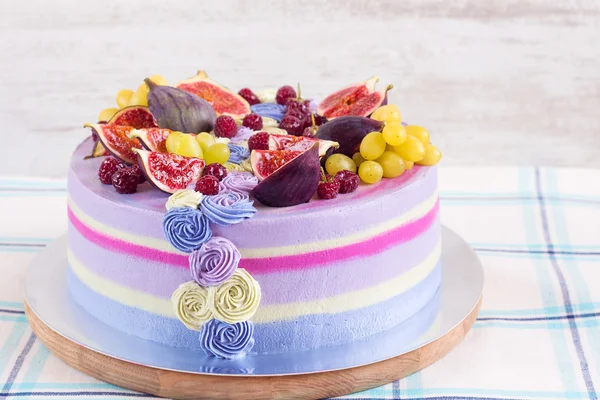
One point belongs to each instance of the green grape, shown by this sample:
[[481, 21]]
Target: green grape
[[123, 97], [172, 142], [432, 155], [419, 132], [188, 146], [358, 159], [159, 80], [339, 162], [217, 153], [387, 113], [370, 172], [408, 165], [107, 114], [372, 146], [140, 97], [394, 133], [389, 147], [205, 140], [392, 164], [412, 149]]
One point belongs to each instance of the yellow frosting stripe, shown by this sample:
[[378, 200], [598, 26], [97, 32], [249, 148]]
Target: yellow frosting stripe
[[272, 312]]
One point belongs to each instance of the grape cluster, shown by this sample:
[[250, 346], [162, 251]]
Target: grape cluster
[[203, 145], [298, 119]]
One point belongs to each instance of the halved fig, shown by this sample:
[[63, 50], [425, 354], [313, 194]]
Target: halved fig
[[153, 139], [359, 99], [169, 172], [299, 143], [265, 162], [115, 138], [135, 116]]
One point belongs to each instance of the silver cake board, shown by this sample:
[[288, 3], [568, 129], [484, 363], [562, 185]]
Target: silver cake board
[[107, 354]]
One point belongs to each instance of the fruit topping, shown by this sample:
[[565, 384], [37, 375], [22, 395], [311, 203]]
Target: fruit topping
[[348, 132], [153, 139], [225, 126], [217, 153], [253, 121], [295, 182], [139, 173], [292, 125], [107, 114], [186, 145], [370, 172], [284, 93], [391, 164], [418, 132], [339, 162], [208, 185], [348, 181], [387, 113], [249, 96], [259, 141], [178, 110], [372, 146], [299, 143], [123, 97], [115, 138], [98, 150], [328, 188], [432, 155], [125, 180], [394, 133], [298, 104], [359, 99], [170, 172], [107, 168], [309, 132], [135, 116], [216, 170], [412, 149], [205, 140], [266, 162], [223, 100], [358, 159]]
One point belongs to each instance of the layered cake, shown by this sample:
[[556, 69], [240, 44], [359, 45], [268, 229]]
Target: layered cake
[[253, 223]]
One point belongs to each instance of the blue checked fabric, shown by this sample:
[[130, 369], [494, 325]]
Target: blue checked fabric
[[537, 232]]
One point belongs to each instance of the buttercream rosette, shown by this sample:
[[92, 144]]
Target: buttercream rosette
[[236, 299], [240, 182], [228, 207], [214, 262], [184, 198], [228, 341], [191, 304], [186, 228], [237, 153]]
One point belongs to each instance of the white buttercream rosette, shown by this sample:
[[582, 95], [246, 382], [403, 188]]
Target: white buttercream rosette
[[236, 299], [191, 304]]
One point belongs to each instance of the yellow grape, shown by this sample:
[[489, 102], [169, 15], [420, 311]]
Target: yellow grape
[[205, 140], [188, 146], [140, 97], [394, 133], [217, 153], [159, 80], [419, 132], [172, 142], [339, 162], [389, 147], [432, 155], [123, 97], [412, 149], [370, 172], [392, 164], [408, 165], [358, 159], [107, 114], [387, 113], [372, 146]]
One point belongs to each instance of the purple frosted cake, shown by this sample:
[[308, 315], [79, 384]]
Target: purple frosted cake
[[253, 222]]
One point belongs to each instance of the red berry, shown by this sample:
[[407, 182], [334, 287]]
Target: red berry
[[125, 181], [249, 96], [207, 185], [328, 189], [294, 104], [216, 170], [138, 172], [292, 125], [309, 131], [107, 168], [253, 121], [284, 93], [259, 141], [296, 112], [225, 126], [319, 120], [348, 181]]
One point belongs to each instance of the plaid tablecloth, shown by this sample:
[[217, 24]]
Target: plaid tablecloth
[[537, 232]]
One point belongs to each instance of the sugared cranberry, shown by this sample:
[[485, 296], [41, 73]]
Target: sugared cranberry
[[249, 96], [284, 93], [207, 185], [225, 126], [259, 141], [328, 189], [348, 181], [107, 168], [138, 171], [125, 181], [253, 121], [216, 170], [292, 125]]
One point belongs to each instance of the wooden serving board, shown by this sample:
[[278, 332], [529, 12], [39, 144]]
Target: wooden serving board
[[181, 385]]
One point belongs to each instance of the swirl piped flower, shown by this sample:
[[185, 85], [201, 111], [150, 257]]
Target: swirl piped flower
[[184, 198], [236, 299], [228, 341], [187, 229], [228, 207], [240, 182], [191, 304], [214, 262], [237, 153], [243, 134], [271, 110]]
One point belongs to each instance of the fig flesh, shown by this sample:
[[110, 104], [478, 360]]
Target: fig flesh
[[348, 132], [266, 162], [153, 139], [299, 143], [292, 184], [178, 110], [359, 99], [115, 139], [169, 172], [135, 116]]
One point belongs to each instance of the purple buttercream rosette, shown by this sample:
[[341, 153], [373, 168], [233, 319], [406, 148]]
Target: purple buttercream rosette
[[214, 262], [228, 341], [187, 229], [228, 207], [240, 181]]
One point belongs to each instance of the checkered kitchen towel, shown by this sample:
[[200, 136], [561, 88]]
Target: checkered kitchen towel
[[537, 232]]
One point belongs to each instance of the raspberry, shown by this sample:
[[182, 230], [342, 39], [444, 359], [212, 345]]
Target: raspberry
[[216, 170], [348, 181], [253, 121], [259, 141], [328, 189], [225, 126], [207, 185], [107, 168], [292, 125], [249, 96], [284, 93], [125, 181]]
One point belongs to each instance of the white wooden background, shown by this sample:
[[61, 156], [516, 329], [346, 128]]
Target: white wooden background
[[502, 82]]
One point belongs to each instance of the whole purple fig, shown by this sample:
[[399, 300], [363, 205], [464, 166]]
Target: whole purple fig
[[348, 132]]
